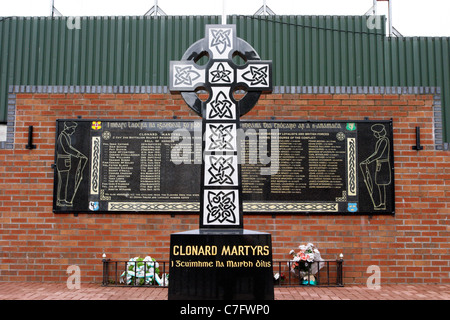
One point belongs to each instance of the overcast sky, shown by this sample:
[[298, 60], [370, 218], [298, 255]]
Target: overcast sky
[[410, 17]]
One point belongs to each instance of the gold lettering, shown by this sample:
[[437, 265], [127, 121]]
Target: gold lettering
[[194, 250], [199, 264], [245, 250], [239, 264], [226, 250]]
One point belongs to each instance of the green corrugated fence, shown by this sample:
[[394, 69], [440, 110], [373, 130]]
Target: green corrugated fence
[[135, 51]]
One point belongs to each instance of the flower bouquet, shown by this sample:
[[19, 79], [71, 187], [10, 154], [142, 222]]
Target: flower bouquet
[[142, 271], [306, 261], [278, 278]]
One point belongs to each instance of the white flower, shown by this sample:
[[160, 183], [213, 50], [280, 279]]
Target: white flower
[[302, 247], [158, 280], [292, 252], [149, 261], [276, 276], [310, 257]]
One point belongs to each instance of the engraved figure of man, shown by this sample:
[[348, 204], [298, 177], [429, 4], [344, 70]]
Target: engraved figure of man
[[382, 174], [70, 164]]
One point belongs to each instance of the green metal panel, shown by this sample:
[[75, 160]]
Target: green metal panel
[[135, 51], [316, 50], [420, 62]]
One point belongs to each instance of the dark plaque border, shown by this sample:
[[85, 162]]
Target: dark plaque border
[[366, 141]]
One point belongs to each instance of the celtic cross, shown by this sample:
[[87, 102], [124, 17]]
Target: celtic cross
[[221, 190]]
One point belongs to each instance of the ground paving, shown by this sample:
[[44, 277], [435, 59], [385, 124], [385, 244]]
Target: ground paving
[[93, 291]]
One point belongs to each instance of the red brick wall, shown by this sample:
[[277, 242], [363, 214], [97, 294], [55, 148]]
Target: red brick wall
[[410, 247]]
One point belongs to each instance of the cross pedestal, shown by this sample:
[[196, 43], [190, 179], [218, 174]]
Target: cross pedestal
[[230, 264], [221, 260]]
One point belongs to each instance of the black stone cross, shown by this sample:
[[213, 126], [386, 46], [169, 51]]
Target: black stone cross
[[221, 190]]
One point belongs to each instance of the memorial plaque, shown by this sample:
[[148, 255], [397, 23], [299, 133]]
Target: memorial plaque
[[299, 167], [320, 167], [126, 166]]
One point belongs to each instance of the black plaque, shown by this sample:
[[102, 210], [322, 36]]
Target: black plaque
[[295, 167], [217, 265], [126, 166], [322, 167]]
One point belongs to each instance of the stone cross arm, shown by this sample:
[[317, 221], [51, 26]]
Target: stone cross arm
[[220, 46]]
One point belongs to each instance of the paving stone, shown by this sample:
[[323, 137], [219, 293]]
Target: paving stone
[[92, 291]]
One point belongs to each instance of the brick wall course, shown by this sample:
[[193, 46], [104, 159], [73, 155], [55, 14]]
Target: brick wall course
[[410, 247]]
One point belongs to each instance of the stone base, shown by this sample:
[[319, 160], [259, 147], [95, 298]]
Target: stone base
[[221, 264]]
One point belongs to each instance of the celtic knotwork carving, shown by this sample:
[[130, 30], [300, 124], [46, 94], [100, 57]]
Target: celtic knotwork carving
[[220, 39], [257, 75], [221, 107], [351, 155], [95, 165], [221, 137], [220, 74], [221, 206], [290, 207], [185, 75], [153, 206], [221, 170], [220, 44]]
